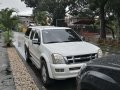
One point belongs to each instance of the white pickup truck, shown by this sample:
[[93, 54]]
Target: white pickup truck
[[57, 51]]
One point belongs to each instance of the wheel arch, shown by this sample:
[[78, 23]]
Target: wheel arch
[[46, 60], [26, 47]]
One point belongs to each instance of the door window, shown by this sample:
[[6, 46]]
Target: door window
[[32, 34], [36, 36]]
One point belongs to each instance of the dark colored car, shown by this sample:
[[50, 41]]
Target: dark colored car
[[100, 74]]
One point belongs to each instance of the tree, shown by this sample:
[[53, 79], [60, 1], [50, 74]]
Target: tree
[[41, 17], [100, 4], [97, 7], [114, 7], [56, 8], [110, 24], [2, 27], [8, 21]]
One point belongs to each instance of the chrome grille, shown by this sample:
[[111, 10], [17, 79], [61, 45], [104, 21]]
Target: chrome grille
[[80, 58]]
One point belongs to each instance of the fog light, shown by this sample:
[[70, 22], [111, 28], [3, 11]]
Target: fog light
[[59, 70]]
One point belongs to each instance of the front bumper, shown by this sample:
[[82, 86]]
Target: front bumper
[[63, 71]]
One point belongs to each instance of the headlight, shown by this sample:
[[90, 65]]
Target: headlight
[[100, 54], [58, 59]]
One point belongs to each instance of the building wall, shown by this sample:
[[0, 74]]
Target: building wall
[[25, 21]]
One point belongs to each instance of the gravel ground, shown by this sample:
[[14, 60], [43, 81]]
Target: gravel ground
[[22, 79]]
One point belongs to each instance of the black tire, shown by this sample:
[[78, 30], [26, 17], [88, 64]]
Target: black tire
[[44, 75], [27, 55]]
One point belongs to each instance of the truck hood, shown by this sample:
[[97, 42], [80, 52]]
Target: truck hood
[[72, 48]]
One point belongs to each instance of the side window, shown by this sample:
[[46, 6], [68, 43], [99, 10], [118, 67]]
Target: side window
[[32, 34], [36, 36], [27, 33]]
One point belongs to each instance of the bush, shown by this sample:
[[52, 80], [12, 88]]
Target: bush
[[7, 38], [111, 43]]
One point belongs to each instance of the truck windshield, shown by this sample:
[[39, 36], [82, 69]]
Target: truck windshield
[[59, 36]]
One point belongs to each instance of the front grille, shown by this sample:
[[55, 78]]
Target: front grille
[[80, 58]]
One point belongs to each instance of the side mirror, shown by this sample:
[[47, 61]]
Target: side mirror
[[35, 41]]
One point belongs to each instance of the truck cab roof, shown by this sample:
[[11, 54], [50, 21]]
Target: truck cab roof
[[47, 27]]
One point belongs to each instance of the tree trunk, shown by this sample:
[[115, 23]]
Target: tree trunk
[[8, 34], [118, 29], [113, 34], [112, 31], [102, 23], [8, 43]]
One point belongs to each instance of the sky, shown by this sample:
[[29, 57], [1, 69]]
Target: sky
[[17, 4]]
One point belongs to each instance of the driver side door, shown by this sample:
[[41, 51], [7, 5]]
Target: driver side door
[[35, 49]]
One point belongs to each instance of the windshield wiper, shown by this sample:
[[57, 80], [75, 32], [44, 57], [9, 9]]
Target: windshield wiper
[[70, 41], [54, 42], [66, 41], [60, 41]]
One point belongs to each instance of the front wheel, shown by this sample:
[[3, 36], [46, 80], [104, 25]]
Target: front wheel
[[27, 55], [44, 74]]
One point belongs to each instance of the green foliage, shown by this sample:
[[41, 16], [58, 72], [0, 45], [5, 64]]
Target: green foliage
[[80, 8], [7, 39], [6, 18], [56, 8], [109, 45], [2, 27], [41, 17], [92, 8], [8, 21], [31, 3], [114, 7], [20, 29]]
